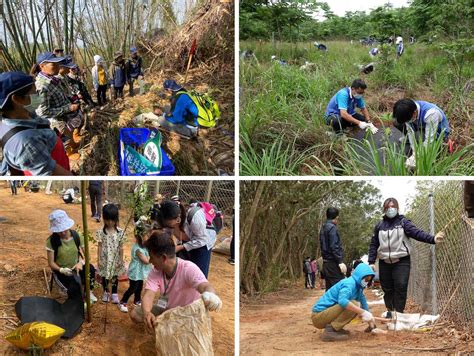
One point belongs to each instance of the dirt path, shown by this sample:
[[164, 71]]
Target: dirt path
[[22, 238], [280, 324]]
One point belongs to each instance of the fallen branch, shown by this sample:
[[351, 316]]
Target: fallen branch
[[445, 307], [429, 348]]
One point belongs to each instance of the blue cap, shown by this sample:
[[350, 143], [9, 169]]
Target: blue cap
[[133, 50], [172, 85], [11, 82], [67, 62], [48, 57]]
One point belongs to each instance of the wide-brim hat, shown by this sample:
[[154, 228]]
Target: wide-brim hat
[[59, 221]]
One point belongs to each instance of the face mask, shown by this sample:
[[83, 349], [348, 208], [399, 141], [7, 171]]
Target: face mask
[[391, 212], [358, 96], [363, 283], [35, 101]]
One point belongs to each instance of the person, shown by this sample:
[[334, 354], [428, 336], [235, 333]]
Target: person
[[64, 69], [178, 282], [58, 52], [95, 194], [307, 273], [65, 252], [320, 46], [331, 249], [138, 271], [391, 245], [135, 70], [400, 48], [374, 51], [75, 81], [13, 187], [415, 118], [398, 40], [338, 307], [118, 75], [321, 274], [55, 104], [69, 195], [100, 79], [341, 110], [110, 241], [314, 269], [231, 259], [30, 146]]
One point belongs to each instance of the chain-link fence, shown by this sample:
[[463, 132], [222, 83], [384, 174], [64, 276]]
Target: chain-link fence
[[442, 277]]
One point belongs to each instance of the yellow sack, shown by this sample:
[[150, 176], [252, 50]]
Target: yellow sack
[[37, 333], [184, 331]]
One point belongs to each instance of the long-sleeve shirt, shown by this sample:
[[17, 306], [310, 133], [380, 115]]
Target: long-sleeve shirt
[[55, 104], [331, 246], [198, 233]]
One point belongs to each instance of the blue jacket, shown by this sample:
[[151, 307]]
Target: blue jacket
[[183, 109], [346, 290], [331, 246], [421, 121]]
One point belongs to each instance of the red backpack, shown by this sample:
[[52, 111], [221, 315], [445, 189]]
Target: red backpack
[[214, 217]]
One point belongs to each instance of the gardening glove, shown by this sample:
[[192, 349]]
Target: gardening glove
[[367, 316], [363, 125], [439, 237], [343, 268], [212, 301], [372, 266], [373, 129], [66, 271], [410, 162]]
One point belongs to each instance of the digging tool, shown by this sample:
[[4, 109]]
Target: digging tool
[[192, 51]]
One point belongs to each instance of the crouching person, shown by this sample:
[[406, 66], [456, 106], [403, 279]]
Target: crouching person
[[337, 307], [178, 282]]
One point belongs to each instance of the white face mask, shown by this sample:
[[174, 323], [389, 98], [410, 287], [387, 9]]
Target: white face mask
[[35, 101], [358, 96], [363, 283], [391, 212]]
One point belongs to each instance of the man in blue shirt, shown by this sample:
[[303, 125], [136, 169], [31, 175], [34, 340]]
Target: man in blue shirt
[[341, 110]]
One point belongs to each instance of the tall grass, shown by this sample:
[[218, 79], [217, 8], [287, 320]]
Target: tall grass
[[277, 103]]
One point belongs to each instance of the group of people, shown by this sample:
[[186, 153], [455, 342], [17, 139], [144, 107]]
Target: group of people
[[312, 268], [170, 259], [414, 118], [43, 113], [344, 298]]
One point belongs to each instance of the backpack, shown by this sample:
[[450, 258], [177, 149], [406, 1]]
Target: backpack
[[214, 217], [208, 110], [56, 242]]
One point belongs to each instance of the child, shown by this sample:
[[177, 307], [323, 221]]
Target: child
[[137, 272], [110, 252]]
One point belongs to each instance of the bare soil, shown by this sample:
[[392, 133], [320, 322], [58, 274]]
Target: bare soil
[[23, 232]]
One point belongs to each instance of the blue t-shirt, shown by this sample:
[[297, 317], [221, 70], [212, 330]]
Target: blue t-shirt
[[137, 270], [345, 101]]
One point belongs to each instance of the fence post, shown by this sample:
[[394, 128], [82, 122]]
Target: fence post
[[434, 289], [178, 185], [209, 191], [157, 187]]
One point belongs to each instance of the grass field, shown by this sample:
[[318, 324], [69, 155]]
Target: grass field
[[282, 130]]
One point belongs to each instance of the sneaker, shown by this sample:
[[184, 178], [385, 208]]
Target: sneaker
[[137, 304], [93, 297], [115, 298], [123, 308], [330, 334], [106, 297]]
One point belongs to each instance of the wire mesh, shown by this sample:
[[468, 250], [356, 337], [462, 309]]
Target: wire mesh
[[446, 286]]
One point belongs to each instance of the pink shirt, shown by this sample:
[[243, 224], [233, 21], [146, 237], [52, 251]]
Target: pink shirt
[[182, 288]]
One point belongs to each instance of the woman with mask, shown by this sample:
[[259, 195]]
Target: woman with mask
[[30, 146], [391, 245]]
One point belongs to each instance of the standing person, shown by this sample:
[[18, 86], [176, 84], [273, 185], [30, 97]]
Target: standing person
[[232, 241], [334, 268], [100, 79], [29, 145], [178, 282], [65, 251], [118, 75], [391, 245], [135, 70], [95, 194], [13, 187], [110, 252], [400, 49], [138, 271], [321, 274], [307, 273], [341, 110], [314, 269]]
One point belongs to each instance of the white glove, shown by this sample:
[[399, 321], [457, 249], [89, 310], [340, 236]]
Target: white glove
[[367, 316], [363, 125], [212, 301], [373, 267], [373, 129], [410, 162], [66, 271], [439, 237], [343, 268]]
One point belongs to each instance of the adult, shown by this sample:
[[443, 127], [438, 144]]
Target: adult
[[58, 52], [319, 262], [417, 118], [118, 75], [65, 252], [331, 249], [95, 194], [341, 110], [74, 79], [307, 273], [100, 79], [69, 195], [178, 282], [135, 70], [13, 187], [374, 51], [400, 48], [391, 245], [314, 270], [338, 306], [30, 146]]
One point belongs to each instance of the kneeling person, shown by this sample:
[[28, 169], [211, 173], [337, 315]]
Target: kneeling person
[[178, 282], [336, 308]]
